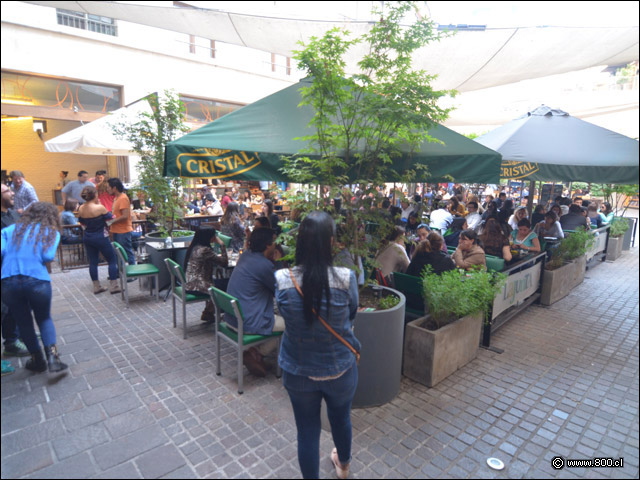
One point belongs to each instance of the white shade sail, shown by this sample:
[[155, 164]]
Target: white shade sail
[[97, 137], [469, 60]]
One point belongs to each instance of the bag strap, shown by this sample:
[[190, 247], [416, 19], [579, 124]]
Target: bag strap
[[326, 325]]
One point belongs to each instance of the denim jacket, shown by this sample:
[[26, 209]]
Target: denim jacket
[[311, 350]]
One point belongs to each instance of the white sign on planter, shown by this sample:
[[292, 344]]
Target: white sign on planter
[[517, 289]]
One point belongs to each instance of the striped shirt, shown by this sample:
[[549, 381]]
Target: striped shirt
[[24, 196]]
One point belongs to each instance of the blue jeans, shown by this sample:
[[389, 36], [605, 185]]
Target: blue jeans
[[96, 245], [306, 396], [124, 239], [23, 295]]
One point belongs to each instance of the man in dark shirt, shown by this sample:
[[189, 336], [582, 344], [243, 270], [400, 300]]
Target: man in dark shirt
[[253, 284], [12, 344], [574, 219]]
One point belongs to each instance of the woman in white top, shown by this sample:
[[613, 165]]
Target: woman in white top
[[519, 214]]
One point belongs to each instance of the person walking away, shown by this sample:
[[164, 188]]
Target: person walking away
[[26, 285], [74, 189], [122, 226], [316, 364], [95, 218], [25, 194]]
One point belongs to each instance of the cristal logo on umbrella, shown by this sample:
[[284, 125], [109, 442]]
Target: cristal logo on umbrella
[[514, 170], [211, 162]]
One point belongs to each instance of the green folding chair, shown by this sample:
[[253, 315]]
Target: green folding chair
[[240, 340], [412, 288], [178, 292], [134, 271]]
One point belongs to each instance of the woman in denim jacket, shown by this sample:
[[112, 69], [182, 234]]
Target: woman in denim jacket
[[316, 364]]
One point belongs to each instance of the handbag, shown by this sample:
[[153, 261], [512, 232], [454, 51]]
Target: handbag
[[326, 325]]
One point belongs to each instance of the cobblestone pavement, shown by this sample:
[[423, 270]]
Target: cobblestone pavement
[[141, 402]]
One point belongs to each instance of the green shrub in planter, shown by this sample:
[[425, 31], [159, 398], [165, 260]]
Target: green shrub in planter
[[456, 294], [619, 226], [572, 246]]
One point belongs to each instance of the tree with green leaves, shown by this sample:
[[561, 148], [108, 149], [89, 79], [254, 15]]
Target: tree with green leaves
[[360, 122], [363, 122], [148, 136]]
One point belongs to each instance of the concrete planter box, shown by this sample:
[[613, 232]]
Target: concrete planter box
[[614, 248], [430, 356], [558, 283], [380, 371]]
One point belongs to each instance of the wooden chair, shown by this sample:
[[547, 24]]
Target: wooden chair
[[134, 271], [178, 292], [241, 341]]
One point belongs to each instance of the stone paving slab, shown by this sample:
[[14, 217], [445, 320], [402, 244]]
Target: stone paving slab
[[141, 402]]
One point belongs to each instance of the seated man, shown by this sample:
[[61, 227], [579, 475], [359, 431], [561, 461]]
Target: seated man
[[574, 219], [253, 284]]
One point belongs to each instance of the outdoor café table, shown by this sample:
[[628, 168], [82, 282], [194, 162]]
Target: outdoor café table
[[193, 222], [159, 251]]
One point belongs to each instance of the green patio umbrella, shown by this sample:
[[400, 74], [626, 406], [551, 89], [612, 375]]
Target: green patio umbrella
[[549, 144], [248, 144]]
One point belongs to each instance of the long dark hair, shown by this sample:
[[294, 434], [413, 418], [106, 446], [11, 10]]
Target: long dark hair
[[314, 255], [230, 214], [44, 215], [202, 237]]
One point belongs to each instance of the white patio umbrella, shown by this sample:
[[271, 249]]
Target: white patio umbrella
[[97, 137]]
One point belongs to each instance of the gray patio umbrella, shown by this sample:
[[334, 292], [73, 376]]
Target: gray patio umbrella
[[548, 144]]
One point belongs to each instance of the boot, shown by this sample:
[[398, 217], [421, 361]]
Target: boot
[[97, 288], [37, 363], [115, 286], [209, 312], [53, 360]]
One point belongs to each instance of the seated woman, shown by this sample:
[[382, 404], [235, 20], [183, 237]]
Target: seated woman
[[393, 257], [200, 262], [429, 252], [520, 213], [69, 235], [606, 213], [212, 206], [413, 222], [494, 242], [469, 255], [232, 226], [524, 238], [550, 227]]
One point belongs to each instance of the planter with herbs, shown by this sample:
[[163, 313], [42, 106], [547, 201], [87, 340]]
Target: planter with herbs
[[567, 266], [448, 338], [619, 227]]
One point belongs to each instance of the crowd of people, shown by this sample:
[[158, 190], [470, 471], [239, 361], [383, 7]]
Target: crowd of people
[[304, 299]]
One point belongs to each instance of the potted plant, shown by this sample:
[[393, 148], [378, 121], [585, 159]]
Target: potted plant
[[448, 338], [567, 266], [618, 228]]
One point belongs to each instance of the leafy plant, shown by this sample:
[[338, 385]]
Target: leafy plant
[[456, 293], [616, 195], [149, 135], [362, 123], [572, 246], [618, 227], [388, 302]]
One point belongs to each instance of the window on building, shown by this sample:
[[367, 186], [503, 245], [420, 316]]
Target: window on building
[[84, 21], [22, 89], [201, 110]]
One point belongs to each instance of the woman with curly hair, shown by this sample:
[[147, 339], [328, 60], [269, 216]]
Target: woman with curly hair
[[26, 285]]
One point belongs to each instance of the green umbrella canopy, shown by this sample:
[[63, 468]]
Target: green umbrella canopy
[[248, 143], [549, 144]]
